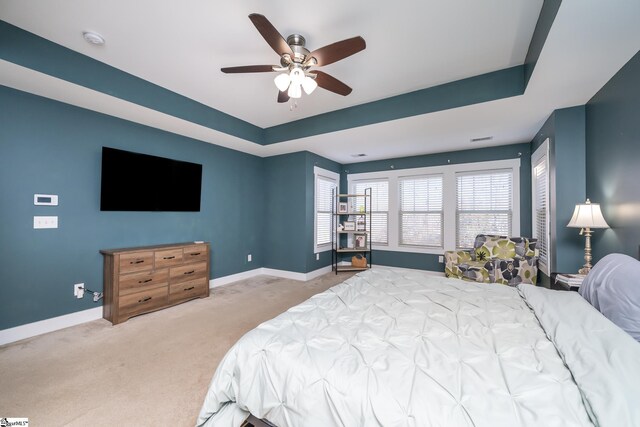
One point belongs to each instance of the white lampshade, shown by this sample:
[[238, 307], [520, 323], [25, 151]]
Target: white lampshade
[[309, 85], [294, 90], [588, 215], [282, 81]]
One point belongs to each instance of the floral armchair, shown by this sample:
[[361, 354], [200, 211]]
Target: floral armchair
[[495, 259]]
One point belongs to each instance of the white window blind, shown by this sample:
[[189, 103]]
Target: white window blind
[[540, 196], [483, 205], [324, 199], [379, 208], [421, 211]]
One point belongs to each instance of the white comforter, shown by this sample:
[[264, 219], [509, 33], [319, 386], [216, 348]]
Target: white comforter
[[403, 348]]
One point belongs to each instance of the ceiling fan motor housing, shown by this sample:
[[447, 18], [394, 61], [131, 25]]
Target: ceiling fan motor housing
[[297, 42]]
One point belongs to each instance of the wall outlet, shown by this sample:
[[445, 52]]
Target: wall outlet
[[78, 290], [45, 222], [249, 258], [441, 259], [317, 257]]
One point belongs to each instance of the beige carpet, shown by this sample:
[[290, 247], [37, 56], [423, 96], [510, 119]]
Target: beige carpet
[[152, 370]]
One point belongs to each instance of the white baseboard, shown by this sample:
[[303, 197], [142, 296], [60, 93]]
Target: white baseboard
[[221, 281], [49, 325], [263, 271]]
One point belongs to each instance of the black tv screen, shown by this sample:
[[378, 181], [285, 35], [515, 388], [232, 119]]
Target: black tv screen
[[140, 182]]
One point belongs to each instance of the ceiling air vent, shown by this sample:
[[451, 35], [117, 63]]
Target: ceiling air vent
[[484, 138], [359, 155]]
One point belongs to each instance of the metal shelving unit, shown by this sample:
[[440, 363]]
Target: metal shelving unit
[[343, 241]]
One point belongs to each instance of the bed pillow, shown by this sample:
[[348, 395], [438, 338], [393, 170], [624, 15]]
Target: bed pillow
[[613, 288]]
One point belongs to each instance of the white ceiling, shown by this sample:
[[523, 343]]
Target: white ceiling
[[181, 45], [588, 43]]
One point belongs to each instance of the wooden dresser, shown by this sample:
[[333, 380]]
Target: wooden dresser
[[143, 279]]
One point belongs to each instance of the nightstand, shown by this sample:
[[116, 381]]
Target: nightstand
[[559, 285]]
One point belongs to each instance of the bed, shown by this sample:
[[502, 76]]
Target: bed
[[392, 347]]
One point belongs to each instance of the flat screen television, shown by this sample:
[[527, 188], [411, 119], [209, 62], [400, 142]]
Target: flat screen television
[[140, 182]]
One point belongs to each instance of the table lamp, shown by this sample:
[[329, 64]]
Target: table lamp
[[587, 216]]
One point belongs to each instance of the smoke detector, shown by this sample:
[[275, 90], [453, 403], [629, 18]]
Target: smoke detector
[[93, 38]]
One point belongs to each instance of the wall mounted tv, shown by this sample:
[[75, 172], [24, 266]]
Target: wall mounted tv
[[140, 182]]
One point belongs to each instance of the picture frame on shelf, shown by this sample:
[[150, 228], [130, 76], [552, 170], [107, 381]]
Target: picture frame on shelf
[[343, 207], [360, 224], [349, 226], [360, 241]]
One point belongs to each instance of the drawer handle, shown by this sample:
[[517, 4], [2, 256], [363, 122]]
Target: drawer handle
[[188, 289], [140, 261], [169, 257], [144, 299], [189, 272], [144, 281], [195, 254]]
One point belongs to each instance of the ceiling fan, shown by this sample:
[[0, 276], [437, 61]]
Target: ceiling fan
[[296, 61]]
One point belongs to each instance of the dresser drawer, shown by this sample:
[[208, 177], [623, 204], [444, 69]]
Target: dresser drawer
[[187, 272], [136, 282], [195, 253], [136, 261], [189, 289], [168, 257], [141, 302]]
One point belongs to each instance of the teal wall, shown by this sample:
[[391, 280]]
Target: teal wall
[[565, 129], [430, 261], [54, 148], [613, 160], [285, 213], [289, 189]]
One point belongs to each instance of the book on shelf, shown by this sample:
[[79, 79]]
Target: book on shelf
[[571, 279]]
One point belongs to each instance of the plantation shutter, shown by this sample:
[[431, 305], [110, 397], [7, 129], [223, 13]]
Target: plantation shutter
[[484, 205], [541, 208], [324, 201], [421, 218], [379, 208]]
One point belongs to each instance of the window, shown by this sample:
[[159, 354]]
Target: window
[[379, 208], [326, 183], [540, 203], [421, 211], [484, 205]]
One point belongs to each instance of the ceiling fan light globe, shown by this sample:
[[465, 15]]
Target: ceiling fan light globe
[[297, 76], [282, 81], [294, 91], [309, 85]]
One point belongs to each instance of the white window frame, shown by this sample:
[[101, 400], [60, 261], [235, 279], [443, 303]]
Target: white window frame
[[400, 212], [449, 199], [458, 213], [320, 172], [542, 152], [371, 211]]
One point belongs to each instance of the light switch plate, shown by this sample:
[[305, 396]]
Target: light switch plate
[[45, 222]]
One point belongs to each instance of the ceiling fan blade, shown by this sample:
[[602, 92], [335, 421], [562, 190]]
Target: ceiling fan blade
[[332, 84], [270, 34], [283, 96], [338, 50], [248, 69]]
